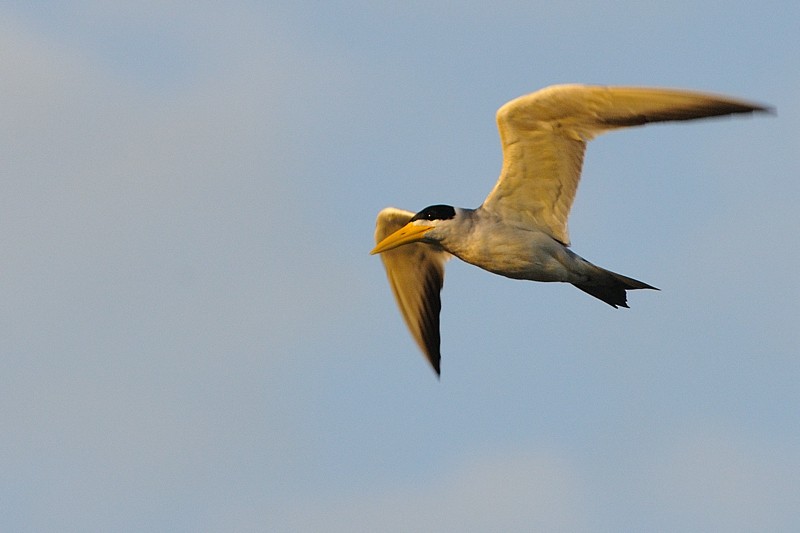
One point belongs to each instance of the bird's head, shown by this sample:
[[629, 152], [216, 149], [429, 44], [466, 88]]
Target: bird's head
[[424, 226]]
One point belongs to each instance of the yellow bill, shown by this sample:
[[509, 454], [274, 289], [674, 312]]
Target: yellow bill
[[405, 235]]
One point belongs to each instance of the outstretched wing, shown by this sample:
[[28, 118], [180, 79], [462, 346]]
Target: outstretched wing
[[544, 136], [416, 275]]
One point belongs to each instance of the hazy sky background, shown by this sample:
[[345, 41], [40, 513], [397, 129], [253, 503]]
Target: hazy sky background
[[194, 337]]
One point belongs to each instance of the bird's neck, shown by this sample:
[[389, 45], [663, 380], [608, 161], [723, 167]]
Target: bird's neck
[[461, 233]]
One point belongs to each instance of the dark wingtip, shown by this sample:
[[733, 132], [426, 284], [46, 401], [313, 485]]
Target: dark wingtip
[[722, 108], [436, 367], [768, 109]]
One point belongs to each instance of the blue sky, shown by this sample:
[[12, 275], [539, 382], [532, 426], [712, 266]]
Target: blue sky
[[195, 337]]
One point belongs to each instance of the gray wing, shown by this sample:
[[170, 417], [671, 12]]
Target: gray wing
[[544, 136], [416, 275]]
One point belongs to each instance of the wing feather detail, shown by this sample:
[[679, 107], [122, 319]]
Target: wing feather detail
[[544, 136], [416, 275]]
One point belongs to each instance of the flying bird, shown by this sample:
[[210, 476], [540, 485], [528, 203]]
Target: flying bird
[[520, 229]]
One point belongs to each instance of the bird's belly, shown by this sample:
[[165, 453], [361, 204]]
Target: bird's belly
[[535, 268], [524, 255]]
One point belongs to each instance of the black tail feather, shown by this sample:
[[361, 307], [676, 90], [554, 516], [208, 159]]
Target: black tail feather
[[611, 288]]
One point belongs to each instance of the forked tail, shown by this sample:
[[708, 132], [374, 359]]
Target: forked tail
[[611, 287]]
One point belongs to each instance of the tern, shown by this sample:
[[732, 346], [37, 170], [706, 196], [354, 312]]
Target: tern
[[520, 229]]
